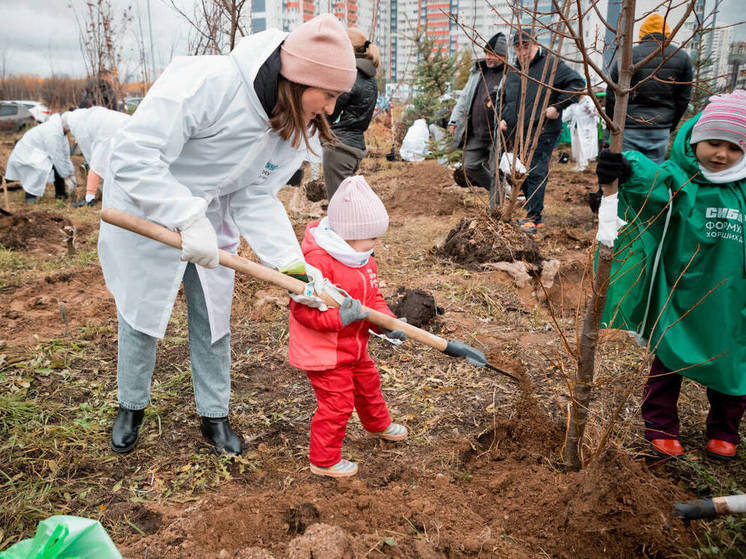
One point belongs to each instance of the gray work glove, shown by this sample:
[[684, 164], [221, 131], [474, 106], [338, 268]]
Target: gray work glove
[[351, 310], [396, 334]]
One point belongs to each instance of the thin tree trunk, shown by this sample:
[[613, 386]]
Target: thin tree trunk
[[581, 399]]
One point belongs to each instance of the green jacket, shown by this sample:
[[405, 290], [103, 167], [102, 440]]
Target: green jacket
[[678, 277]]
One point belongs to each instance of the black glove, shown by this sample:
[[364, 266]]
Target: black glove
[[612, 166], [594, 200]]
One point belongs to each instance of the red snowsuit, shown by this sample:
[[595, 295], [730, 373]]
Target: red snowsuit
[[335, 357]]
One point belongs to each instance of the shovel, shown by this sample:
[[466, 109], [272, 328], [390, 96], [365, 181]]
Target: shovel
[[453, 348]]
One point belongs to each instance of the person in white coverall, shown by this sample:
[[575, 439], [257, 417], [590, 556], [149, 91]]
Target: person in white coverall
[[582, 118], [205, 154], [94, 130], [41, 156]]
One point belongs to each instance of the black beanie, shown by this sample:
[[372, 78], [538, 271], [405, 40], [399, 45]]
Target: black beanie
[[497, 43]]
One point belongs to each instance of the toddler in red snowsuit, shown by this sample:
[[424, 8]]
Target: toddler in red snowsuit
[[332, 346]]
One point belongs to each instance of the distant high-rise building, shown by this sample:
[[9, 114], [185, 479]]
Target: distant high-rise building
[[719, 44], [737, 66], [288, 14]]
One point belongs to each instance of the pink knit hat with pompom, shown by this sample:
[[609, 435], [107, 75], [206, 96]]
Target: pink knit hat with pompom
[[355, 212], [319, 54]]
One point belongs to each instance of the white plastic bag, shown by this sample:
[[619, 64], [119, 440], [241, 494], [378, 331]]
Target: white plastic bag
[[414, 144], [506, 164]]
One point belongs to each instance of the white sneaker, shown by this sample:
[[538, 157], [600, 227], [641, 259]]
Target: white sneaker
[[343, 468], [394, 432]]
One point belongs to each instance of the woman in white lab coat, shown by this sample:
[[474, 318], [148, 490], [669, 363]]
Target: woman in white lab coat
[[94, 130], [41, 156], [205, 154]]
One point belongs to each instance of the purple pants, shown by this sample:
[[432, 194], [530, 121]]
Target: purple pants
[[659, 408]]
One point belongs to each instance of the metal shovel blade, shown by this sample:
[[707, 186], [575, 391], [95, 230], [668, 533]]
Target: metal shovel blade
[[456, 348]]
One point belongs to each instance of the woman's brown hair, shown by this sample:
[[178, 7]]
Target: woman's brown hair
[[287, 116]]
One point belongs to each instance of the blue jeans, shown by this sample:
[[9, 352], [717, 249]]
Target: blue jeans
[[211, 363], [536, 182], [652, 142]]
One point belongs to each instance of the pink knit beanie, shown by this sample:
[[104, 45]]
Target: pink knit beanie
[[355, 212], [319, 54], [724, 118]]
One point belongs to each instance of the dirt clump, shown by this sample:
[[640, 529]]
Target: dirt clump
[[321, 541], [32, 230], [253, 553], [315, 190], [301, 517], [416, 305], [475, 241]]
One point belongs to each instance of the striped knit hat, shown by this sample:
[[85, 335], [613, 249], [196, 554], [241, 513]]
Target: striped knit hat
[[724, 118], [355, 212]]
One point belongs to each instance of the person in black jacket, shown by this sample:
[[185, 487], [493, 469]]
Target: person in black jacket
[[352, 116], [100, 92], [656, 107], [532, 60], [472, 120]]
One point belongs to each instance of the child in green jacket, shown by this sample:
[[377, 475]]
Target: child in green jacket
[[678, 276]]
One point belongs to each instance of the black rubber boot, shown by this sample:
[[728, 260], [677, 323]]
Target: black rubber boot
[[125, 431], [218, 433]]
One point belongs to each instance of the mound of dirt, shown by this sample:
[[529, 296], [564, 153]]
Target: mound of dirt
[[483, 239], [30, 230], [511, 500], [416, 305], [420, 189], [315, 190]]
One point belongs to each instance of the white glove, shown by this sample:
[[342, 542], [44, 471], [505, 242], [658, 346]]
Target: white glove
[[90, 197], [315, 286], [70, 183], [608, 222], [199, 243]]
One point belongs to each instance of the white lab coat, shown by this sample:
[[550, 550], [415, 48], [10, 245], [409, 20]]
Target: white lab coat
[[583, 122], [33, 158], [200, 142], [94, 129]]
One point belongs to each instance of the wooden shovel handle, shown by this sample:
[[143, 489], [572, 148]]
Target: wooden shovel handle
[[238, 263]]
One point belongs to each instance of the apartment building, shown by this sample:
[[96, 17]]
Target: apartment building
[[288, 14]]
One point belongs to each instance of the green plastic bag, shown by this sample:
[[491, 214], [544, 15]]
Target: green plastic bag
[[65, 537]]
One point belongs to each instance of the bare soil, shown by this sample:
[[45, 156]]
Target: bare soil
[[479, 476]]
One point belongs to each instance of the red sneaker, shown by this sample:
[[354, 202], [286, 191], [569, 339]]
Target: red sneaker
[[667, 447], [720, 450]]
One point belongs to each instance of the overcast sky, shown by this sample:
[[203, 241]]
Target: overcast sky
[[41, 36]]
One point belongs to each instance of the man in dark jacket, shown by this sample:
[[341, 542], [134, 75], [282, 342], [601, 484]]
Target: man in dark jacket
[[100, 92], [533, 60], [352, 116], [656, 106], [472, 119]]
